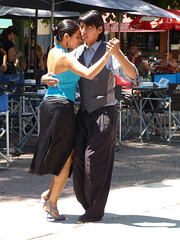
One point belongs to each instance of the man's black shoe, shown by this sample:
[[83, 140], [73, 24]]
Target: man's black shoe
[[86, 219]]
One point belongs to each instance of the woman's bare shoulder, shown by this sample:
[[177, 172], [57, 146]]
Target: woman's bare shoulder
[[57, 61], [57, 55]]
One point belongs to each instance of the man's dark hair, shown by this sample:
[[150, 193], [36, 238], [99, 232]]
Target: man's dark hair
[[93, 18], [133, 45]]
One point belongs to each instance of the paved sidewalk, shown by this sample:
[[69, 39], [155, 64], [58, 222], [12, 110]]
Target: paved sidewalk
[[133, 211], [150, 211]]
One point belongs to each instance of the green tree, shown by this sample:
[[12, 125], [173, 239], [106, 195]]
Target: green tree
[[174, 4]]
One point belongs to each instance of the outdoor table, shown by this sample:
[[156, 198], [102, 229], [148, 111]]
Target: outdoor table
[[146, 92], [33, 87], [168, 107]]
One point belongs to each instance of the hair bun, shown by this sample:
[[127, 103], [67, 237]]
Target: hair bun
[[54, 30]]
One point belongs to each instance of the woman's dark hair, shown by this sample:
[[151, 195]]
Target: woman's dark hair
[[93, 18], [7, 31], [66, 26]]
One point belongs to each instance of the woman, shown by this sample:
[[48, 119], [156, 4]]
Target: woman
[[39, 60], [40, 69], [56, 141], [7, 37], [3, 59], [170, 62]]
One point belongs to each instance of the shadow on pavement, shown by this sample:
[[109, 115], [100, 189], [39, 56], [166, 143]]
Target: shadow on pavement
[[130, 220]]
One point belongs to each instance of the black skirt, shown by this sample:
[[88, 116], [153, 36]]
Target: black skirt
[[56, 138]]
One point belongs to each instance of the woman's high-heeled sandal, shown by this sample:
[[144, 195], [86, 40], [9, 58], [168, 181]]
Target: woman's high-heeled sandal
[[43, 200], [51, 216]]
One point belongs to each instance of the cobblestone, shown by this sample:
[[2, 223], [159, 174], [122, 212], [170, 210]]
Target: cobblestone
[[134, 164]]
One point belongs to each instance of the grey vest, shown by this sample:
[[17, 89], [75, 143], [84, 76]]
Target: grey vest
[[99, 91]]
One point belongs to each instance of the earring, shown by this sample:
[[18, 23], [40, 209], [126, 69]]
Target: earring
[[67, 44]]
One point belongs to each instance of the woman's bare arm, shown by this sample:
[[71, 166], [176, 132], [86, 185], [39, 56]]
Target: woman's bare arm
[[4, 64], [75, 66], [67, 62]]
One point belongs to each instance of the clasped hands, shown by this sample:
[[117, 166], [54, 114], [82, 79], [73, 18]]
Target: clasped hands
[[113, 46]]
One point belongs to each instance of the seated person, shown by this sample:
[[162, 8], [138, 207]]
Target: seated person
[[136, 59], [40, 63], [169, 62], [40, 69]]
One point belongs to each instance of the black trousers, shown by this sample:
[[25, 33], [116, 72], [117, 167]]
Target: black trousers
[[94, 158]]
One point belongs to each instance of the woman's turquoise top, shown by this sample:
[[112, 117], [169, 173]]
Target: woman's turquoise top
[[67, 83]]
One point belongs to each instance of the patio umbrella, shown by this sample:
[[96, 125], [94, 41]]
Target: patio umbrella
[[9, 12], [177, 12], [143, 8], [69, 5], [155, 23]]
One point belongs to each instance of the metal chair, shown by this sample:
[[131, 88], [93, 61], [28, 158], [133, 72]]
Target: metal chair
[[17, 115], [5, 90], [5, 111], [174, 118], [165, 118], [125, 108], [118, 93]]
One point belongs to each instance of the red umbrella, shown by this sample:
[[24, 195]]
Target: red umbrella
[[177, 12], [155, 23]]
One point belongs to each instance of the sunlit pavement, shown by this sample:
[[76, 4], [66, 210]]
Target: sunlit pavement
[[148, 211]]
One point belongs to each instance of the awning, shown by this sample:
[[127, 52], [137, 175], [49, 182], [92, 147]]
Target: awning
[[24, 13]]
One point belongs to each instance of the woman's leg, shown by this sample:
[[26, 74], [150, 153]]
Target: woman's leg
[[57, 186]]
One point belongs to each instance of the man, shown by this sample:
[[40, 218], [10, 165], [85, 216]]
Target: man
[[136, 59], [96, 119]]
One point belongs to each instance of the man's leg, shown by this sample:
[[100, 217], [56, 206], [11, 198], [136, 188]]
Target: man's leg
[[101, 127]]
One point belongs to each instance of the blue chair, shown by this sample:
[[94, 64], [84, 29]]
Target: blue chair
[[4, 110], [177, 77]]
